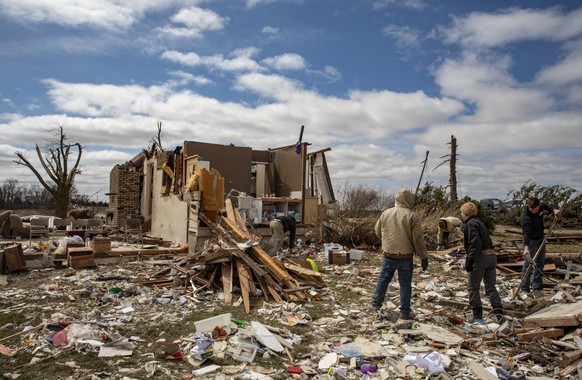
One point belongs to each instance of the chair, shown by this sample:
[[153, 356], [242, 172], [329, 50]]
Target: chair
[[60, 227], [93, 228], [133, 230], [38, 227]]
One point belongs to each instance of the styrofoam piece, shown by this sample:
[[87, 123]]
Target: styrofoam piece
[[265, 337], [356, 254], [332, 247], [206, 370], [208, 324], [245, 352]]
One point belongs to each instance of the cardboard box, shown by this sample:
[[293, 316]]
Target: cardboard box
[[338, 257], [81, 257], [78, 262], [74, 245], [14, 258], [100, 244]]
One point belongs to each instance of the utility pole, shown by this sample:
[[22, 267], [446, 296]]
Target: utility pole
[[422, 172], [453, 168]]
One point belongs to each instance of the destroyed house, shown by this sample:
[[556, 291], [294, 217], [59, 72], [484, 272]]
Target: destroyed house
[[168, 189]]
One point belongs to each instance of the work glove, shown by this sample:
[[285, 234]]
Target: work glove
[[469, 264], [424, 264]]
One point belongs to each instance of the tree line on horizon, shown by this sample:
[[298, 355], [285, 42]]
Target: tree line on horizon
[[16, 196]]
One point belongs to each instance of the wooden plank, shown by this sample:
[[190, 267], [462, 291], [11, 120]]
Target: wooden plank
[[569, 370], [227, 282], [275, 295], [503, 268], [212, 277], [302, 273], [570, 357], [213, 256], [548, 333], [277, 270], [264, 288], [481, 372], [299, 269], [260, 272], [243, 277], [230, 211], [557, 315], [240, 221]]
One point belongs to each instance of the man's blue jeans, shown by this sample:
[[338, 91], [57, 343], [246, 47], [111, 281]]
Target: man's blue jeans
[[538, 266], [389, 267]]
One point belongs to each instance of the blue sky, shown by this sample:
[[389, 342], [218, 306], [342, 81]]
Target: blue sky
[[378, 81]]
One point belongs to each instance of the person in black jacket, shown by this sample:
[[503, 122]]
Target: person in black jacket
[[480, 264], [532, 227], [279, 226]]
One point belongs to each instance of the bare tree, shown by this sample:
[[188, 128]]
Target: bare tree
[[55, 162]]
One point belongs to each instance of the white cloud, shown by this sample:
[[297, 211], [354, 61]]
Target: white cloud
[[405, 36], [185, 78], [196, 21], [253, 3], [241, 61], [286, 61], [496, 95], [270, 30], [512, 25], [71, 13], [563, 73], [412, 4]]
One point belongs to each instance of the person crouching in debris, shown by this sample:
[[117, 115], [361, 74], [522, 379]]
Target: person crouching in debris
[[480, 264], [279, 225], [446, 226], [400, 231]]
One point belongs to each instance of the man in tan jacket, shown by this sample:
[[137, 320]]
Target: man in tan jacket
[[446, 226], [400, 231]]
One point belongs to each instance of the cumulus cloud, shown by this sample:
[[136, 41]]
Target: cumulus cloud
[[512, 25], [195, 21], [286, 61], [241, 60], [72, 13]]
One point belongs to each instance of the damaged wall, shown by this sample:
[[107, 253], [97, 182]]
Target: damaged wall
[[124, 193], [233, 163]]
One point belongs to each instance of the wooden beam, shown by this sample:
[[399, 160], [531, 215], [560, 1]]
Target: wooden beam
[[557, 315], [547, 333], [227, 282], [570, 357], [243, 277]]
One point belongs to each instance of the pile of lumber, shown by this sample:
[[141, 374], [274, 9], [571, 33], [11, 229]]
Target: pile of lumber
[[238, 263], [561, 321]]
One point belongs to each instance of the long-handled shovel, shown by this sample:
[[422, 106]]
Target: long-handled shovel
[[532, 262]]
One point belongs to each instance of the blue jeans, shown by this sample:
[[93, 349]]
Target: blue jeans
[[389, 267], [538, 266]]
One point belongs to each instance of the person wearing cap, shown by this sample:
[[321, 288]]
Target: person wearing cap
[[480, 264], [446, 226], [532, 227], [400, 231]]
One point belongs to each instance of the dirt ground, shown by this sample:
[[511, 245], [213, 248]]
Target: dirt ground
[[111, 303]]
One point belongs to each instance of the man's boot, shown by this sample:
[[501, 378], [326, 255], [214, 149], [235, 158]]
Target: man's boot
[[477, 317]]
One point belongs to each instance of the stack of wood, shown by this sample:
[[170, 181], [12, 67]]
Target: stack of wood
[[563, 320], [242, 263]]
